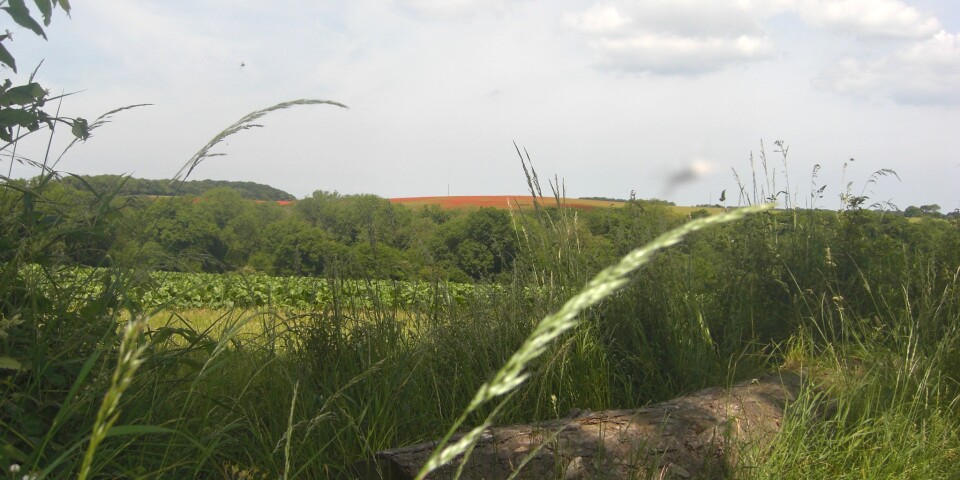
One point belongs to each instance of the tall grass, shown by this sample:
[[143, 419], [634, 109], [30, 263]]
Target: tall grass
[[514, 371], [885, 396], [873, 314]]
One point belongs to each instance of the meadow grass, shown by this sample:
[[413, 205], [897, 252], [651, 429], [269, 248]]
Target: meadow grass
[[884, 399]]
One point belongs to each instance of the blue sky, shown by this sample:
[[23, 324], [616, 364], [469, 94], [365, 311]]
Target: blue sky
[[611, 96]]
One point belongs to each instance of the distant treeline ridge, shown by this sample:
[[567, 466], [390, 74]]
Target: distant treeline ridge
[[166, 187]]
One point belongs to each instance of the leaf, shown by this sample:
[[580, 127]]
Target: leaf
[[65, 5], [112, 432], [46, 9], [7, 363], [78, 382], [10, 117], [23, 95], [21, 14], [14, 453], [118, 430], [80, 129], [6, 58]]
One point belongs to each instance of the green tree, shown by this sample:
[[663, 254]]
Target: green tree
[[245, 234], [932, 210], [352, 219], [224, 205], [187, 232], [481, 243], [300, 249]]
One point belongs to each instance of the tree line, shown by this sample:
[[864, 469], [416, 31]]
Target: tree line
[[326, 233], [366, 236]]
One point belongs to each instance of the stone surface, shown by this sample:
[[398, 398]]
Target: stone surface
[[695, 436]]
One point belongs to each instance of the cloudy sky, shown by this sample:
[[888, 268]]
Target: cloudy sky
[[664, 97]]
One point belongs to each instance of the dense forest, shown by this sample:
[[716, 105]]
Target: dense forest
[[358, 235]]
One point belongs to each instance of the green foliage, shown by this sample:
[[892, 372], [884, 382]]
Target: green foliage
[[53, 331], [480, 243], [353, 219], [361, 235], [185, 291], [932, 211]]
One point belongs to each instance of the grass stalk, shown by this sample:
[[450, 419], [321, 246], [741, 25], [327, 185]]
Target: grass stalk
[[128, 361]]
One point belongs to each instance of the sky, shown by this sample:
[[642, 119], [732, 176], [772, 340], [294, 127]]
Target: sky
[[664, 98]]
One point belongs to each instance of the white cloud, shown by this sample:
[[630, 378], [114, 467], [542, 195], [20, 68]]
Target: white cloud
[[697, 36], [452, 8], [597, 19], [679, 17], [926, 72], [881, 18], [673, 37], [671, 54]]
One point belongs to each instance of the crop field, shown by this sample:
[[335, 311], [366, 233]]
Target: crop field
[[177, 291]]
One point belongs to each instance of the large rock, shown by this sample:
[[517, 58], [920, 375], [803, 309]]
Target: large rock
[[696, 436]]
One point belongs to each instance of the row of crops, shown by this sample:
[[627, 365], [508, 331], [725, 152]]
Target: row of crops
[[177, 290]]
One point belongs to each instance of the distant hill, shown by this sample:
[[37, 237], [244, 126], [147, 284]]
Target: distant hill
[[143, 186]]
